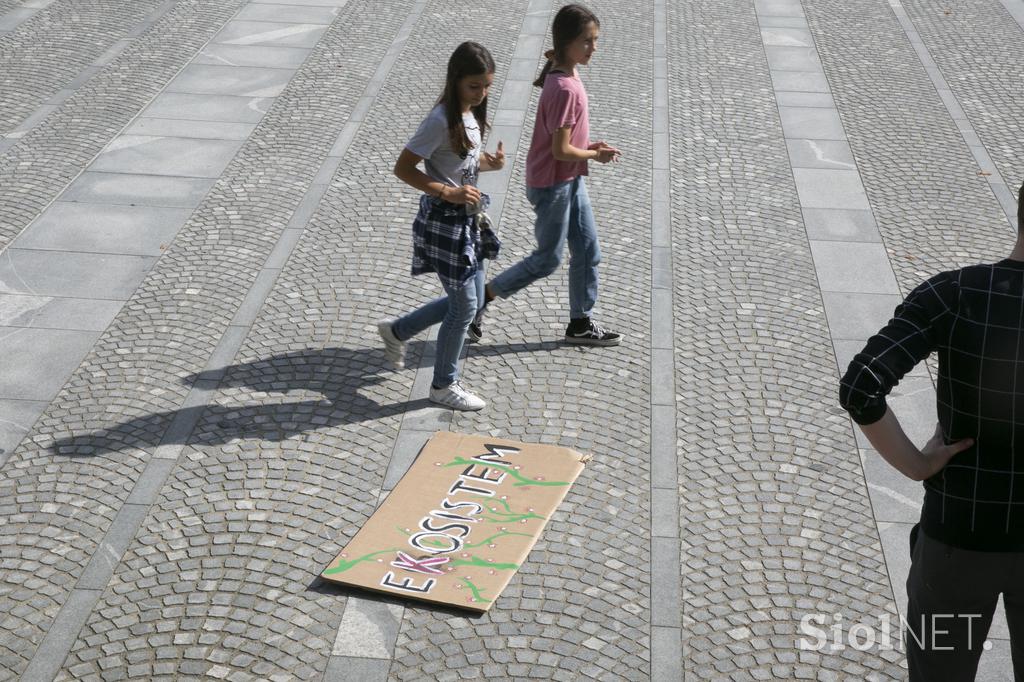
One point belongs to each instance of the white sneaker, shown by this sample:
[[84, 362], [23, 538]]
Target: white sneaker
[[456, 397], [394, 350]]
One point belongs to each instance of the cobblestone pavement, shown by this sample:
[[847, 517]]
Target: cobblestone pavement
[[199, 229]]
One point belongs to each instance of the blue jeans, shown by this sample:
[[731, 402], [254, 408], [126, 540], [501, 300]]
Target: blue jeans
[[454, 311], [563, 214]]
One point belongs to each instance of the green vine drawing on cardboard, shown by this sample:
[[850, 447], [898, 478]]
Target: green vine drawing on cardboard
[[495, 537], [483, 563], [476, 590], [344, 565], [432, 543], [508, 516], [522, 480]]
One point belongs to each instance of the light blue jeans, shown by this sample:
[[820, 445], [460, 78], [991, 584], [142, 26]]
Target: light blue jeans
[[454, 311], [563, 215]]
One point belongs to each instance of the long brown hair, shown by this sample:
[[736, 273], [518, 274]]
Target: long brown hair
[[468, 59], [570, 22]]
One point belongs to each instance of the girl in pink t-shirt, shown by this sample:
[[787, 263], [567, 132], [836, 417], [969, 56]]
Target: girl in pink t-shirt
[[555, 167]]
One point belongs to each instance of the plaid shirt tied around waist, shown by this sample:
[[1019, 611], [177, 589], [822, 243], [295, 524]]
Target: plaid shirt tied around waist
[[451, 242]]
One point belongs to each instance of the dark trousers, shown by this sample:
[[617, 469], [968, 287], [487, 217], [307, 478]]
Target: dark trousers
[[952, 597]]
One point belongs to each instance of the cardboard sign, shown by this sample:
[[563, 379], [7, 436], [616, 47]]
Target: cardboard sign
[[460, 522]]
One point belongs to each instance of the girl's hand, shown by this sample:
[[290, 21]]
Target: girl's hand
[[605, 152], [496, 161], [937, 454], [467, 194]]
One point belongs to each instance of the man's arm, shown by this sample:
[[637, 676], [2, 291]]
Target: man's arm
[[887, 437], [910, 336]]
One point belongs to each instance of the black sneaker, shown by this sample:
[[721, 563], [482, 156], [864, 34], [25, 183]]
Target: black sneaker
[[475, 332], [591, 335]]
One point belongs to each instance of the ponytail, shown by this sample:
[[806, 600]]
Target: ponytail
[[539, 83]]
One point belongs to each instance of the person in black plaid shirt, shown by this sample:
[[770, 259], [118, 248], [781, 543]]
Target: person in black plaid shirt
[[969, 544], [446, 231]]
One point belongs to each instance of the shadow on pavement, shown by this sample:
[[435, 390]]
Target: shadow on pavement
[[321, 586], [302, 392]]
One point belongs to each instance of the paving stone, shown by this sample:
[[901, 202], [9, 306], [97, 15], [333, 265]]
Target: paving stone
[[840, 224], [894, 497], [297, 14], [859, 267], [799, 81], [69, 274], [342, 668], [137, 190], [810, 153], [102, 228], [44, 359], [208, 130], [368, 629], [18, 417], [787, 37], [246, 55], [826, 188], [180, 105], [238, 32], [787, 58], [240, 81], [47, 312], [156, 155]]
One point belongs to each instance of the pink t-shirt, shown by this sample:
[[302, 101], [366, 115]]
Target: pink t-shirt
[[563, 102]]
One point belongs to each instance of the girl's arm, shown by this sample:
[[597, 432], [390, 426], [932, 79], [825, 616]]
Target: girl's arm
[[562, 150], [406, 171]]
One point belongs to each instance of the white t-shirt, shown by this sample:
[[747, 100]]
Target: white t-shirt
[[431, 142]]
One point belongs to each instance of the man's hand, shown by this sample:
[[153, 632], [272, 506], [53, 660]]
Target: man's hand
[[887, 437], [936, 454]]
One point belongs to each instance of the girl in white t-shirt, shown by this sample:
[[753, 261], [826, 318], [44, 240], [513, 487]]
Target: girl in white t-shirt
[[446, 239]]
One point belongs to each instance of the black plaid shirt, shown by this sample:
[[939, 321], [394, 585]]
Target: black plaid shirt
[[446, 240], [974, 319]]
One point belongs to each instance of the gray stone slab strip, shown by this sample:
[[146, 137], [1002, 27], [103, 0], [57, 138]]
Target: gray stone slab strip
[[99, 569], [1002, 191], [666, 667], [16, 419], [666, 591], [667, 605], [347, 668], [368, 629], [407, 447], [418, 425]]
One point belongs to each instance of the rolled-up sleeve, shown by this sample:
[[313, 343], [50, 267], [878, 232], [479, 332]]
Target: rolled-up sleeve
[[917, 328]]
